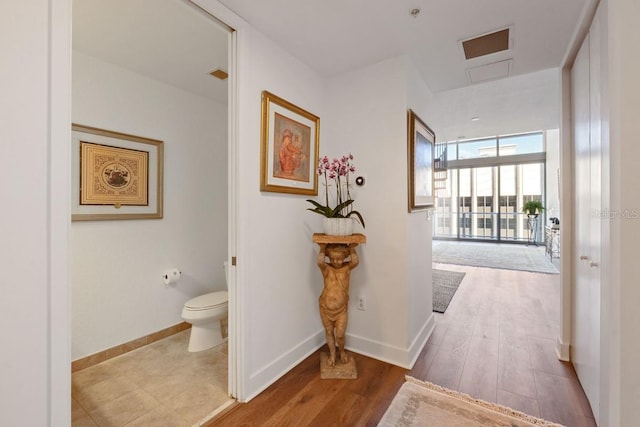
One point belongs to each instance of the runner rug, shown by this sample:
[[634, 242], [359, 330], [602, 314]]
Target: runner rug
[[420, 403], [445, 285]]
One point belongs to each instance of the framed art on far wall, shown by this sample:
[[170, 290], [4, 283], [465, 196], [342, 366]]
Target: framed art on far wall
[[421, 147], [290, 140], [115, 175]]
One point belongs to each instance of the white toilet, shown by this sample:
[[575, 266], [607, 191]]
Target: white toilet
[[205, 313]]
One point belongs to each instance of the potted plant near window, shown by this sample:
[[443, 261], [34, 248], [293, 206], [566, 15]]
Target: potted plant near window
[[533, 207], [338, 220]]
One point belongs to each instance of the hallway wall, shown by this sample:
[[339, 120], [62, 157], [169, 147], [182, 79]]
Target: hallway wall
[[395, 272], [278, 282]]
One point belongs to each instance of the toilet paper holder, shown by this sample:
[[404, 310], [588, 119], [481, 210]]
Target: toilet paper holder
[[171, 276]]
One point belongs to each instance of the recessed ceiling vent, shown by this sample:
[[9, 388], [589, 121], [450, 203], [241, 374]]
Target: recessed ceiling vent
[[219, 74], [486, 44]]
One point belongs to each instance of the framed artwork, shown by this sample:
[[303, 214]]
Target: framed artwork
[[421, 150], [290, 143], [115, 175]]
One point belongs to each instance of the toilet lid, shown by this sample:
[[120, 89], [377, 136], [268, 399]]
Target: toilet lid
[[206, 301]]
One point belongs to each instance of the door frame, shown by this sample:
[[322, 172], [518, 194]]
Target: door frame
[[59, 212], [236, 48]]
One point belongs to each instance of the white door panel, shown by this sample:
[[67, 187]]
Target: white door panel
[[586, 118]]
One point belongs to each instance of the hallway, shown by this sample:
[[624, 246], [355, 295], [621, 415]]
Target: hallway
[[495, 342]]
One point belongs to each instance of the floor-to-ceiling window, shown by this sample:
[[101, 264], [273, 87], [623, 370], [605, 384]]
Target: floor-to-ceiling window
[[487, 183]]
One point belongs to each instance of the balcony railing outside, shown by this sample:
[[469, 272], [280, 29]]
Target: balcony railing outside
[[499, 226]]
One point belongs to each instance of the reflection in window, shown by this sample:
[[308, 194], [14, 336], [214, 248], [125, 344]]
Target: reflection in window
[[521, 144], [476, 149], [499, 146], [452, 151]]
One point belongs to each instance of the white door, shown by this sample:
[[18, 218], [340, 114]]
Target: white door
[[585, 349]]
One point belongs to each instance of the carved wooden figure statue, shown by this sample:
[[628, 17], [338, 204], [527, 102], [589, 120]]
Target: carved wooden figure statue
[[334, 299]]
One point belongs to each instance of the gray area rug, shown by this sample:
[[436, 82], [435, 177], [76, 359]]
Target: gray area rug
[[445, 285], [492, 255]]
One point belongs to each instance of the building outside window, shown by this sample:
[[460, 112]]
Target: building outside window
[[487, 183]]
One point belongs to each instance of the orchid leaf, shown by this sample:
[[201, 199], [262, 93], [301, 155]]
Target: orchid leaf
[[359, 217], [337, 172]]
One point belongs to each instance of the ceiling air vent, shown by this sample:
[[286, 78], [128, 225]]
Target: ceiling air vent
[[486, 44], [219, 74]]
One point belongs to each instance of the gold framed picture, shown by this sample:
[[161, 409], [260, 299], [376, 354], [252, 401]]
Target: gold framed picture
[[421, 150], [117, 175], [290, 139]]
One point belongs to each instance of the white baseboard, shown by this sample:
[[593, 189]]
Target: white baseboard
[[403, 357], [563, 350], [421, 339], [270, 373]]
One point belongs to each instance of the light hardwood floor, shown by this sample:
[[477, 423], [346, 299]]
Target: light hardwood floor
[[495, 342]]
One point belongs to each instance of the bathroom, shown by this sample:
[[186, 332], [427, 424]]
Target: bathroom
[[122, 52]]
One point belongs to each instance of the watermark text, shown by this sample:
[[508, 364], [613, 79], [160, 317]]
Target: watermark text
[[615, 214]]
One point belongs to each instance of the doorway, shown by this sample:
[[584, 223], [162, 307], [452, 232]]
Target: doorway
[[143, 67]]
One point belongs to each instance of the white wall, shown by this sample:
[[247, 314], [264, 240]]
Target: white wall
[[118, 294], [34, 130], [420, 229], [278, 282], [25, 282], [368, 118]]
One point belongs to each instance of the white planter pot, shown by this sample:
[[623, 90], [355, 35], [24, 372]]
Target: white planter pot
[[337, 226]]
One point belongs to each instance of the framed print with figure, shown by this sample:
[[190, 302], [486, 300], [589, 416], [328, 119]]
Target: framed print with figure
[[421, 150], [115, 175], [290, 142]]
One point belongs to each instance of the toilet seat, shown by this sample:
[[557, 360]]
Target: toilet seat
[[207, 301]]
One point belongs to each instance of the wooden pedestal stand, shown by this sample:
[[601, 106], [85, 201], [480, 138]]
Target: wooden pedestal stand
[[340, 370], [344, 240]]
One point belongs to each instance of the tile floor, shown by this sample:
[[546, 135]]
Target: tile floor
[[161, 384]]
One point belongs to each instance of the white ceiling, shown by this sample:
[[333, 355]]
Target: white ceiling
[[334, 36], [167, 40], [171, 41]]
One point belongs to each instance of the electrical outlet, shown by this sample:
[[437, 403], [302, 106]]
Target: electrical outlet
[[361, 303]]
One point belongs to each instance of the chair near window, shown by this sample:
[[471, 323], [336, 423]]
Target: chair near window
[[552, 238]]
